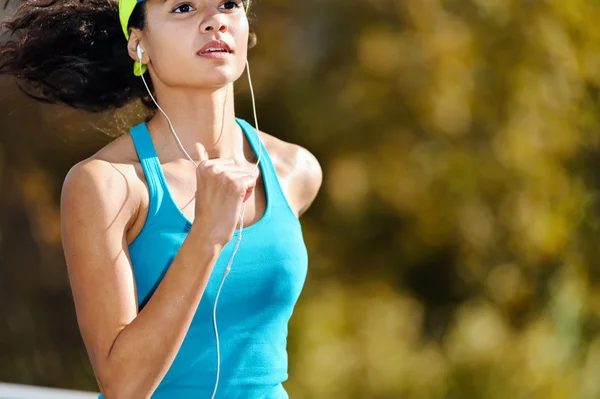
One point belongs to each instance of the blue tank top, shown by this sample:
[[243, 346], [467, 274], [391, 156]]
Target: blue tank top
[[257, 298]]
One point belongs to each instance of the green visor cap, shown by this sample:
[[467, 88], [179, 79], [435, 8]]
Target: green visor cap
[[126, 8]]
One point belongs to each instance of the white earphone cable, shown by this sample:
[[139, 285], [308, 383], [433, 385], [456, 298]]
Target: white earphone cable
[[239, 238]]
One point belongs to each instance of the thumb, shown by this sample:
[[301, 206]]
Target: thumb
[[203, 155]]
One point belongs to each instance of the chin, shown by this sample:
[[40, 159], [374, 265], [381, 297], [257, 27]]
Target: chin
[[218, 77]]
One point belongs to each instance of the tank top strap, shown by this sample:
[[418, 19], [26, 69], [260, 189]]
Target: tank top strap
[[150, 165], [273, 190]]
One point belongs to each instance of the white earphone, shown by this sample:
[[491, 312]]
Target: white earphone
[[140, 50]]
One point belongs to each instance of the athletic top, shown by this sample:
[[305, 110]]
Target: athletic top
[[257, 298]]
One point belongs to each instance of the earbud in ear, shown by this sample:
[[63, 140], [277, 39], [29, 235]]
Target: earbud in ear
[[139, 52]]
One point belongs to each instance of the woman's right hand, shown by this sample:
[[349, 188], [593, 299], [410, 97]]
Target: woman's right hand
[[221, 189]]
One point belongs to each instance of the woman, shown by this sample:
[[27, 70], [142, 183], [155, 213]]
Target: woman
[[151, 221]]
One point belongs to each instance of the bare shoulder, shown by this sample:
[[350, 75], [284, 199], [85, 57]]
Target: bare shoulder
[[105, 182], [298, 170]]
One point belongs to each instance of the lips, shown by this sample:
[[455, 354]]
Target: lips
[[215, 46]]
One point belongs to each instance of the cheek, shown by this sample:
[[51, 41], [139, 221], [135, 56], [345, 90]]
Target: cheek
[[240, 33], [241, 41]]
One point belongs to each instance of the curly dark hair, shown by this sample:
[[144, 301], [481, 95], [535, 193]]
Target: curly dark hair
[[74, 52]]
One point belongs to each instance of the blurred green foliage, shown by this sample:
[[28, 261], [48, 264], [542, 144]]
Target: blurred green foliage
[[454, 245]]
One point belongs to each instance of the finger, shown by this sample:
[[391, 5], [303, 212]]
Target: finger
[[238, 174], [233, 171], [223, 162], [248, 194], [247, 171], [254, 171], [240, 182], [247, 182], [225, 168]]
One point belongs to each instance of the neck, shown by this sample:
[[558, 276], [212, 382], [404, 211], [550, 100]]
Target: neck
[[199, 117]]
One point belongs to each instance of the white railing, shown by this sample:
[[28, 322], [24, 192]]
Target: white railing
[[15, 391]]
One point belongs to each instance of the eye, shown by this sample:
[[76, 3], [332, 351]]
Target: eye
[[185, 6], [232, 5]]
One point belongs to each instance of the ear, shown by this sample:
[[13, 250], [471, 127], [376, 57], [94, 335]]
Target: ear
[[132, 48]]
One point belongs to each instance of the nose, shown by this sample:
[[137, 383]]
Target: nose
[[214, 22]]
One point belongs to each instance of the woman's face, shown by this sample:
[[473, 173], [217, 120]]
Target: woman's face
[[177, 30]]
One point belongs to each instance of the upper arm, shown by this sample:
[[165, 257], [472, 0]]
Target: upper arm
[[96, 209], [309, 177]]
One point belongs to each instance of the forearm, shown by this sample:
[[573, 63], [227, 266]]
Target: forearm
[[145, 349]]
